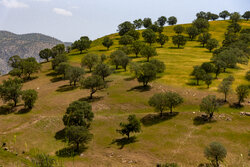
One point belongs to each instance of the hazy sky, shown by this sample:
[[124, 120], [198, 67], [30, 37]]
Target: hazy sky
[[67, 20]]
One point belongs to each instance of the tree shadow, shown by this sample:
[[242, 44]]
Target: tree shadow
[[94, 99], [198, 46], [236, 106], [23, 111], [29, 79], [201, 120], [124, 141], [152, 119], [6, 109], [140, 88], [52, 74], [175, 47], [60, 135], [102, 50], [56, 79], [129, 79], [70, 151], [65, 88]]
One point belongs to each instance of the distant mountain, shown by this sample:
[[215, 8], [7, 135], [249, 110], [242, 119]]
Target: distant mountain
[[26, 45]]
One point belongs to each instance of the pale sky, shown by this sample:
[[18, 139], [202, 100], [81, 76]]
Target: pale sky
[[68, 20]]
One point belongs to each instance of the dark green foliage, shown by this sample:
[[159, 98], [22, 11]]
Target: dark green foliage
[[62, 68], [219, 65], [148, 51], [224, 14], [208, 67], [14, 61], [133, 126], [29, 97], [16, 72], [155, 27], [145, 73], [78, 135], [102, 70], [164, 101], [94, 83], [74, 74], [179, 40], [162, 39], [11, 90], [159, 65], [116, 57], [59, 59], [107, 42], [242, 92], [248, 75], [246, 15], [103, 58], [79, 113], [57, 50], [203, 38], [234, 27], [138, 23], [46, 54], [179, 29], [235, 17], [68, 49], [133, 33], [43, 160], [226, 86], [124, 27], [209, 105], [201, 15], [173, 100], [83, 44], [208, 79], [136, 47], [126, 40], [230, 38], [214, 16], [162, 21], [149, 36], [201, 24], [124, 62], [212, 44], [192, 32], [147, 22], [172, 20], [90, 61], [198, 73], [29, 66], [159, 102], [126, 49], [215, 152]]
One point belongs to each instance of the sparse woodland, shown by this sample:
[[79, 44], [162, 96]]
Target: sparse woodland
[[149, 95]]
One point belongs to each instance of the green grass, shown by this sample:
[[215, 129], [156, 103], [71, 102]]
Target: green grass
[[173, 140]]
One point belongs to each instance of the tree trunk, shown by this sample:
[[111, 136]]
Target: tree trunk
[[90, 69], [178, 45], [211, 115], [148, 59], [217, 163], [77, 147], [197, 81], [128, 135], [74, 83], [161, 114], [116, 67], [15, 103], [171, 110], [225, 98], [224, 69]]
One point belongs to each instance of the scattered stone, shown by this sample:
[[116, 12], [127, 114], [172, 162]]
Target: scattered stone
[[82, 155], [245, 113]]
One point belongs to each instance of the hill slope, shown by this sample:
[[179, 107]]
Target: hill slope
[[178, 138], [26, 45]]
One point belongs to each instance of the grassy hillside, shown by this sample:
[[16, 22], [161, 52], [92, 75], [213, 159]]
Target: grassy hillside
[[175, 139]]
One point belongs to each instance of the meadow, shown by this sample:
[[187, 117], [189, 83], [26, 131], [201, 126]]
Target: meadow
[[177, 139]]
